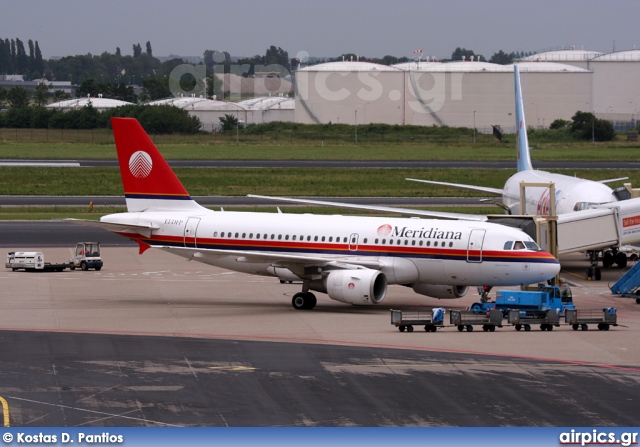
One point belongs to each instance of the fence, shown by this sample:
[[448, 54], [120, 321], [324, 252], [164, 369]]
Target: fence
[[278, 137]]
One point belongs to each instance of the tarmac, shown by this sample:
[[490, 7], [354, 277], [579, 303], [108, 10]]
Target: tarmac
[[155, 340]]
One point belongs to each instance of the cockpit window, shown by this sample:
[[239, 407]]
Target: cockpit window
[[585, 206], [508, 245], [532, 246], [518, 245]]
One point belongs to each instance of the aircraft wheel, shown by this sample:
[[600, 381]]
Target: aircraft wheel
[[621, 260], [607, 259], [303, 301]]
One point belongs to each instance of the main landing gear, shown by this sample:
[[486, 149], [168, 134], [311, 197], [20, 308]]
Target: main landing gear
[[304, 301], [609, 258]]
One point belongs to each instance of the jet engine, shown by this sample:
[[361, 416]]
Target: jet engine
[[361, 286], [440, 290]]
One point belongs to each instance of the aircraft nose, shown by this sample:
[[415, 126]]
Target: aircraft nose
[[549, 268]]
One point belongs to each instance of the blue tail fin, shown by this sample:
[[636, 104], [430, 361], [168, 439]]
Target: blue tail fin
[[522, 142]]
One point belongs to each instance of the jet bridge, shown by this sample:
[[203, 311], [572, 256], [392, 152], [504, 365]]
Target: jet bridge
[[590, 230]]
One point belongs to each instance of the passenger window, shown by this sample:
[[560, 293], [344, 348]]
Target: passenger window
[[420, 243], [279, 237], [428, 243], [365, 240], [450, 244], [345, 240], [315, 239], [244, 235], [294, 237], [406, 242], [413, 242], [384, 241], [322, 238], [215, 234], [308, 238], [258, 236], [286, 238], [330, 238], [273, 236], [250, 235], [222, 234]]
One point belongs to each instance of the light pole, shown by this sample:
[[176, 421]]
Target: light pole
[[474, 127], [355, 125]]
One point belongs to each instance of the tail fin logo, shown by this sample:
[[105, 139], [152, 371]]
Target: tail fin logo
[[140, 164]]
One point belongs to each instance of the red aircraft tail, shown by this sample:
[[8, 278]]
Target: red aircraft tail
[[148, 180]]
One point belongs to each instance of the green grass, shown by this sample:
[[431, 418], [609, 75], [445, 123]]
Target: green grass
[[52, 181], [68, 212], [98, 144]]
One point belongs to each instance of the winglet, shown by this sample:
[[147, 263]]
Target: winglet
[[522, 142]]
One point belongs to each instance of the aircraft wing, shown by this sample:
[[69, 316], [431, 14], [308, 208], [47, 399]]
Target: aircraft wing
[[144, 230], [382, 209], [275, 259], [611, 180], [486, 189]]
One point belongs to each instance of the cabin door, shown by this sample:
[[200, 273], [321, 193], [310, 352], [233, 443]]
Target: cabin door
[[474, 247]]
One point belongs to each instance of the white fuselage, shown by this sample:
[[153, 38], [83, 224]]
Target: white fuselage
[[572, 193], [407, 251]]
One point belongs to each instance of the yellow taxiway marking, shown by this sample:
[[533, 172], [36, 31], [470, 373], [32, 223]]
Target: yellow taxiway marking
[[5, 411]]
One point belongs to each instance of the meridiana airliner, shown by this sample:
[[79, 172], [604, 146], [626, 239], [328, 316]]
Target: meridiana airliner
[[350, 258]]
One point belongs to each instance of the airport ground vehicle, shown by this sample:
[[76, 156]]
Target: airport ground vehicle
[[405, 320], [87, 256], [32, 261], [581, 318], [538, 301], [628, 285]]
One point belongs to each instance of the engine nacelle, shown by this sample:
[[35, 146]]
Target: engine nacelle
[[361, 286], [440, 290]]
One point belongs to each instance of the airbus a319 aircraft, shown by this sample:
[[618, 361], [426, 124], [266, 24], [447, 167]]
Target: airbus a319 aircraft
[[352, 259]]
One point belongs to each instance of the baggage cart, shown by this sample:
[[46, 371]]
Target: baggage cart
[[581, 318], [405, 320], [523, 320], [466, 319]]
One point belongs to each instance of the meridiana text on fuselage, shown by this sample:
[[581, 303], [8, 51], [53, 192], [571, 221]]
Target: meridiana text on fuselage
[[422, 233]]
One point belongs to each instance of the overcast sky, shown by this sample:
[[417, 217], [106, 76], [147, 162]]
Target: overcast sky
[[371, 28]]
